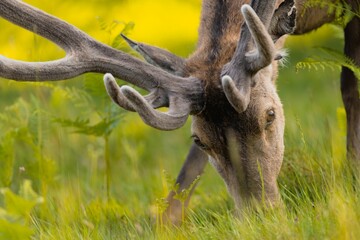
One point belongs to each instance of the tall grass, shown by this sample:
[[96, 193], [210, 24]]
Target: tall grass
[[98, 173]]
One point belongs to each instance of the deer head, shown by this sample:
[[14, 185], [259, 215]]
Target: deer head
[[241, 126], [227, 85]]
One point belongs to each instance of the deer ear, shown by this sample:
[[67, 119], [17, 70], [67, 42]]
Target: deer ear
[[158, 57], [283, 21]]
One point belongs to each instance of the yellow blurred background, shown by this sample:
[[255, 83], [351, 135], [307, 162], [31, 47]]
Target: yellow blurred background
[[161, 23]]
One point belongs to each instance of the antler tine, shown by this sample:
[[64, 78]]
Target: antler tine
[[236, 80], [158, 57], [115, 93], [156, 99], [85, 54], [238, 97], [264, 44], [156, 119], [129, 99]]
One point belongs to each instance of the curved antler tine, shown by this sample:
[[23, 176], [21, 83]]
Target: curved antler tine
[[265, 53], [156, 119], [238, 99], [115, 93], [245, 64], [155, 99]]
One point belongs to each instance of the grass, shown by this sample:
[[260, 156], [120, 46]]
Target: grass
[[108, 183]]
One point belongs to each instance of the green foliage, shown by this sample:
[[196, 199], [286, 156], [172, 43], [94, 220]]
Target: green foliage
[[15, 215], [341, 10], [83, 126], [119, 42], [116, 26], [6, 159], [333, 60], [92, 100], [182, 195], [25, 124], [14, 116]]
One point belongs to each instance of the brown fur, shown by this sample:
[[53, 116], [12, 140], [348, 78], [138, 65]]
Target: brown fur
[[257, 145], [244, 150]]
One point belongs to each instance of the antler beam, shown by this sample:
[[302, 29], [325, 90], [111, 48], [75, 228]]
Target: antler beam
[[85, 54]]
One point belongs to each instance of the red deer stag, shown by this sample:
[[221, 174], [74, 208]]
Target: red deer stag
[[227, 85]]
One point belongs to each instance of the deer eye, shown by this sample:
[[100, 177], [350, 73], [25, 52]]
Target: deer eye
[[270, 117], [198, 142]]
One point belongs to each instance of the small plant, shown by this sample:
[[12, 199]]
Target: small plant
[[109, 28], [15, 219], [333, 60], [109, 120], [182, 195], [25, 124], [95, 100], [161, 205]]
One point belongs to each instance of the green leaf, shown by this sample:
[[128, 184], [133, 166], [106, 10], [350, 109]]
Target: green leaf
[[333, 60], [77, 123], [28, 193], [341, 59], [102, 128], [315, 64], [95, 88], [14, 116], [119, 42], [80, 99], [6, 159], [21, 205], [128, 28], [14, 231], [14, 218], [102, 23]]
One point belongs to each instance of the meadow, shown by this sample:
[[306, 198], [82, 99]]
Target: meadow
[[75, 166]]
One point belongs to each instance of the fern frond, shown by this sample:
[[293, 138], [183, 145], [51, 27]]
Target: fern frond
[[334, 60], [119, 42], [77, 123], [102, 24], [95, 88], [342, 59], [341, 10], [83, 126], [15, 116], [79, 98], [311, 63]]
